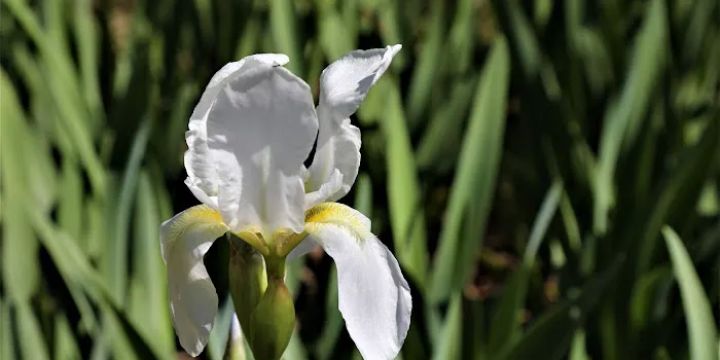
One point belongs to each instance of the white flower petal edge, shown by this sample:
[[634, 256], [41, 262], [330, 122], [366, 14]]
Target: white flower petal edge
[[202, 176], [373, 296], [259, 128], [343, 86], [185, 239]]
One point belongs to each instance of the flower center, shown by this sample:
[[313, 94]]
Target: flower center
[[279, 244]]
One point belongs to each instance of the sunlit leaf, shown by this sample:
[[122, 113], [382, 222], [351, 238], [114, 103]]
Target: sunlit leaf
[[702, 330]]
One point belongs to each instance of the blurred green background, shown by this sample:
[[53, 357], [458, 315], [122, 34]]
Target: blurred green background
[[545, 171]]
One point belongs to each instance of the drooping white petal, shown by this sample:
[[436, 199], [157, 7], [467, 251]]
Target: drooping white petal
[[343, 86], [260, 126], [184, 241], [202, 176], [373, 296]]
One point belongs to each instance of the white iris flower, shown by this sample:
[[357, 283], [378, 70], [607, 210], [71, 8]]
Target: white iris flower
[[248, 138]]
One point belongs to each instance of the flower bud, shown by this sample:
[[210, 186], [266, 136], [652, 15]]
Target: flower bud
[[263, 304], [247, 279], [272, 321]]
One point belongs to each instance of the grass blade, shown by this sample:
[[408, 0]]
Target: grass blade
[[542, 221], [679, 195], [66, 347], [474, 177], [219, 335], [403, 190], [450, 344], [561, 322], [624, 118], [117, 251], [284, 32], [700, 321], [20, 272], [29, 333], [7, 341], [425, 72], [506, 324], [148, 286]]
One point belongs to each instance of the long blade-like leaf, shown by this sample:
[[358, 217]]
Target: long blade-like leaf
[[474, 177], [700, 321]]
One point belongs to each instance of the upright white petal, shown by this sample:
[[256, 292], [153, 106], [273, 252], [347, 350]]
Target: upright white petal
[[343, 86], [193, 301], [260, 125], [373, 296], [202, 176]]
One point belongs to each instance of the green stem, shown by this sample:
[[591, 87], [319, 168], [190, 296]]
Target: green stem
[[275, 267]]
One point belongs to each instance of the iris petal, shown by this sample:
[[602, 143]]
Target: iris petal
[[258, 126], [373, 296], [343, 86], [202, 176], [193, 301]]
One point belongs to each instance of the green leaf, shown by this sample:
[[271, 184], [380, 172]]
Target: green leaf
[[389, 28], [474, 178], [148, 307], [524, 39], [66, 347], [126, 342], [551, 333], [506, 323], [295, 349], [20, 272], [699, 317], [403, 189], [333, 321], [220, 333], [70, 211], [335, 40], [646, 295], [60, 79], [363, 195], [86, 30], [450, 343], [624, 117], [438, 146], [425, 72], [284, 32], [116, 253], [678, 196], [7, 341], [542, 221], [460, 44], [578, 350], [29, 334]]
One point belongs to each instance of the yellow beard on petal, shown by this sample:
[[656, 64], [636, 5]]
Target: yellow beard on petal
[[331, 213], [200, 214]]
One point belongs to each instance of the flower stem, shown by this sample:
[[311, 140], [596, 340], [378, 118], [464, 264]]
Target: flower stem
[[275, 267]]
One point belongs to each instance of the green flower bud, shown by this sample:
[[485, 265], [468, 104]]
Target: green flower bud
[[247, 280], [273, 320], [263, 304]]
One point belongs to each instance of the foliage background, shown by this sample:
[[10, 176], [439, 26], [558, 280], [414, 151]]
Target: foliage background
[[521, 158]]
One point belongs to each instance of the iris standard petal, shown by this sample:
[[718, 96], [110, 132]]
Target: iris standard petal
[[373, 296], [260, 128], [343, 86], [193, 301], [202, 176]]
